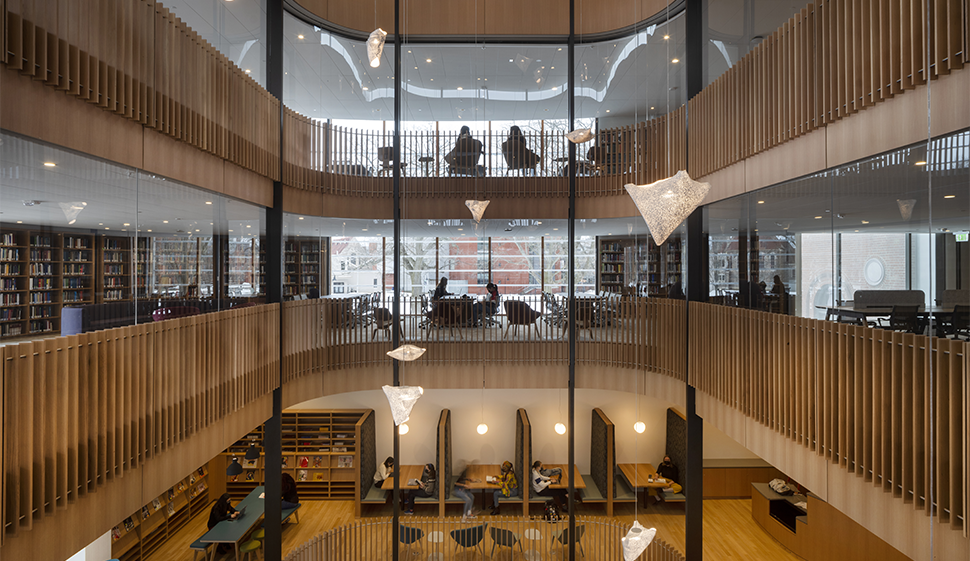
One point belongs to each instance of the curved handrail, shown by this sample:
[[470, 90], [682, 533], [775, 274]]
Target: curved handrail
[[370, 538]]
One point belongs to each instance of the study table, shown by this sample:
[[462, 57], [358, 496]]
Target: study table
[[233, 531], [407, 474], [639, 477]]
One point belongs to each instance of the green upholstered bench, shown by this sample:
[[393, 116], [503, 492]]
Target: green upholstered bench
[[591, 494], [287, 512], [375, 495], [624, 493], [671, 497], [198, 547]]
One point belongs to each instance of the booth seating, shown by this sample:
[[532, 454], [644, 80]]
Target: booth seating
[[375, 495]]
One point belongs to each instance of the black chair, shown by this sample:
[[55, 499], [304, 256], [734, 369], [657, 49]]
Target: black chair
[[960, 322], [504, 538], [905, 318], [463, 160], [519, 157], [383, 320], [410, 536], [386, 156], [563, 537], [469, 537]]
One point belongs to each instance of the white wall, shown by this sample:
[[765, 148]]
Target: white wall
[[543, 406]]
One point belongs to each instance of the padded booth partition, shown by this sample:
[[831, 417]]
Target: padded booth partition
[[444, 449], [523, 456], [367, 449], [676, 446], [602, 457]]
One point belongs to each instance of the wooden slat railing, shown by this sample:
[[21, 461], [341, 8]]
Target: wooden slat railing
[[599, 537], [136, 59], [863, 398], [84, 410], [828, 61]]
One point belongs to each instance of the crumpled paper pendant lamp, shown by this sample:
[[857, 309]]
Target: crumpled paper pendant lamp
[[477, 208], [402, 400], [375, 46], [406, 353], [580, 136], [666, 203], [636, 541]]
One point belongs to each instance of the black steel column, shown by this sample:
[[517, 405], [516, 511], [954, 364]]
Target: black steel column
[[395, 332], [696, 290], [571, 285], [272, 440]]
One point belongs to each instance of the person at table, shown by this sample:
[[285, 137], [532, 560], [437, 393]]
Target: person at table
[[441, 290], [778, 288], [516, 150], [466, 152], [222, 510], [675, 292], [668, 471], [426, 488], [383, 472], [541, 482], [462, 492], [488, 305], [291, 499], [508, 486]]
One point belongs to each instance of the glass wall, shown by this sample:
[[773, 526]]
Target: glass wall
[[89, 245]]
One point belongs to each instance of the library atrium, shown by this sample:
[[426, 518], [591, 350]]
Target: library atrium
[[623, 279]]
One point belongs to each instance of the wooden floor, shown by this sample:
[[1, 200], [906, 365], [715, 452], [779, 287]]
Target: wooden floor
[[729, 531]]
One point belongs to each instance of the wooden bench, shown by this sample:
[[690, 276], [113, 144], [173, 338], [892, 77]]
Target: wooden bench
[[591, 494]]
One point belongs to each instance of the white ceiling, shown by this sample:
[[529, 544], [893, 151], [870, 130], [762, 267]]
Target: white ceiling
[[325, 75]]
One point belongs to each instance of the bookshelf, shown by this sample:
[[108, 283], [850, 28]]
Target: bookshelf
[[627, 261], [141, 534], [13, 283], [309, 266], [291, 271], [115, 262], [142, 263], [320, 452]]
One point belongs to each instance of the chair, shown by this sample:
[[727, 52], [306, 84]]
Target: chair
[[469, 537], [519, 313], [463, 160], [409, 536], [175, 312], [386, 156], [960, 321], [555, 312], [905, 318], [383, 320], [250, 550], [504, 538], [598, 156], [585, 317], [426, 309], [451, 314], [519, 157], [364, 311], [563, 537]]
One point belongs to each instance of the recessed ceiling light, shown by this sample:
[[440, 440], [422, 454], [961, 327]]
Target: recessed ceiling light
[[949, 196], [675, 61], [364, 88], [301, 218], [230, 231], [427, 60], [560, 48], [460, 229], [126, 224], [100, 223], [651, 107], [761, 202], [299, 36], [432, 79], [249, 225], [555, 228], [106, 228], [208, 202], [666, 37], [196, 229], [865, 221], [363, 229], [818, 218], [920, 163], [248, 71], [149, 230], [415, 67], [20, 222], [164, 221], [607, 110], [49, 164]]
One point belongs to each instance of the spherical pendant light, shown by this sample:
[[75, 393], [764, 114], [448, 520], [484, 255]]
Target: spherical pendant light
[[560, 428], [482, 428], [639, 426]]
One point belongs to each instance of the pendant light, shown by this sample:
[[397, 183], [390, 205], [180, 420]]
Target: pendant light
[[402, 399], [252, 453], [234, 468]]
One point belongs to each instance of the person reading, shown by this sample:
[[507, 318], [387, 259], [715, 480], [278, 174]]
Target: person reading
[[668, 472], [508, 486]]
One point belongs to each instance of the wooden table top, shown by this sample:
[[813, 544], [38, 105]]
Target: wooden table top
[[476, 475], [407, 473], [578, 482], [638, 475]]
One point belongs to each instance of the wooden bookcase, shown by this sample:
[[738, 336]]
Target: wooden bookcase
[[302, 260], [13, 283], [320, 451], [115, 258], [291, 271], [140, 534], [627, 261]]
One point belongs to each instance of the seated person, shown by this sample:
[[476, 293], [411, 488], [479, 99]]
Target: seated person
[[516, 151], [541, 482], [222, 510], [463, 158], [488, 305], [383, 472], [463, 493], [508, 486], [666, 470], [441, 290], [290, 497], [426, 488]]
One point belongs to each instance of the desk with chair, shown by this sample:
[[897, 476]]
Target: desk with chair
[[233, 531], [642, 476]]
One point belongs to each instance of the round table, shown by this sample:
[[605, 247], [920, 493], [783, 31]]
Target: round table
[[425, 160], [533, 535], [436, 538]]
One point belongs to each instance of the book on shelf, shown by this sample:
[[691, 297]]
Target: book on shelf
[[250, 476], [145, 512], [317, 461], [318, 476], [301, 475], [170, 509], [304, 462], [129, 524], [115, 534], [156, 504], [345, 461], [249, 463]]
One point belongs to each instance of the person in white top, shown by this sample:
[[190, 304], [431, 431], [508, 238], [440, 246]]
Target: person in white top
[[383, 471], [541, 479]]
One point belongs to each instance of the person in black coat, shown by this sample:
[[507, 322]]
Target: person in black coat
[[222, 510]]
